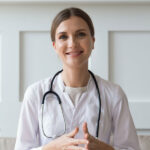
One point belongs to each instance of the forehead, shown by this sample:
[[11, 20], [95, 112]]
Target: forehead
[[72, 24]]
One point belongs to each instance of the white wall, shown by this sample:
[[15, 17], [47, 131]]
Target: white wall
[[121, 55]]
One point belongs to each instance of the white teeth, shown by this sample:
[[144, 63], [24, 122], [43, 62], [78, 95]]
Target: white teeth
[[74, 53]]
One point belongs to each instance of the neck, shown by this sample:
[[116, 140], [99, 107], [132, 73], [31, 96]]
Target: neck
[[75, 77]]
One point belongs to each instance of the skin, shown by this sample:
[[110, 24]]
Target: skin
[[66, 142], [93, 143], [74, 44]]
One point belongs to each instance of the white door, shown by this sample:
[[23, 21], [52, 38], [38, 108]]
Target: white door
[[121, 54]]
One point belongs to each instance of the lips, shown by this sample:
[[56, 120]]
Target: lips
[[74, 53]]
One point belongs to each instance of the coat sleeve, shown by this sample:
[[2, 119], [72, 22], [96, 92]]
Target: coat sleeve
[[124, 132], [27, 134]]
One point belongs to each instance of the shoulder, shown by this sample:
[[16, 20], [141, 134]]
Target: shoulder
[[112, 95], [110, 90], [40, 85], [107, 85], [37, 89]]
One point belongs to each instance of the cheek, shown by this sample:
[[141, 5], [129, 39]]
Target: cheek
[[89, 44], [61, 45], [60, 48]]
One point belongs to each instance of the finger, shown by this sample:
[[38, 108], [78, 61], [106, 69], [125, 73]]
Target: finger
[[74, 148], [79, 141], [89, 137], [85, 128], [73, 133]]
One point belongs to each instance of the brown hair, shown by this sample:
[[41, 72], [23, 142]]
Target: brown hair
[[66, 14]]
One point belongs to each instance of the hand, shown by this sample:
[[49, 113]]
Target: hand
[[93, 143], [66, 142]]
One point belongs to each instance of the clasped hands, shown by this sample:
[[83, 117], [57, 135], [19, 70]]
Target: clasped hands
[[68, 142]]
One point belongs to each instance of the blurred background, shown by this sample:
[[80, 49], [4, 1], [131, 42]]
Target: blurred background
[[121, 54]]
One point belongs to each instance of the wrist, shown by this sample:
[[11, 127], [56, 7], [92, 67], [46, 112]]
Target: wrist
[[45, 147], [48, 146], [106, 146]]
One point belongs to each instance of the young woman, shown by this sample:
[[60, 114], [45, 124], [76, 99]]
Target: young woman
[[75, 110]]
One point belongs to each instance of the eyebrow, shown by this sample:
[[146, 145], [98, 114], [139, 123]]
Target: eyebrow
[[63, 32]]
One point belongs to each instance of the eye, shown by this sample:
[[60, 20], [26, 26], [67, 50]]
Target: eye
[[81, 34], [63, 37]]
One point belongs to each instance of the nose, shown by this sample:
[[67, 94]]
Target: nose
[[72, 42]]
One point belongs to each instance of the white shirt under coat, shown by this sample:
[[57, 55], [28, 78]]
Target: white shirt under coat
[[115, 115]]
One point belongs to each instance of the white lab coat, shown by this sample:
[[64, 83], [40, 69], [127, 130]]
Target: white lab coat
[[115, 115]]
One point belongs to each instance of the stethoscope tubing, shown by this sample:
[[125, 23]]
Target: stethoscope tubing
[[59, 101], [99, 113]]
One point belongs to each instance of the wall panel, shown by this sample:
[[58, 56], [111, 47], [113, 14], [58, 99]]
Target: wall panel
[[37, 58], [0, 67], [129, 61]]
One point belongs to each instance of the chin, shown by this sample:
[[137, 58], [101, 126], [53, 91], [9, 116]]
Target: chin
[[77, 65]]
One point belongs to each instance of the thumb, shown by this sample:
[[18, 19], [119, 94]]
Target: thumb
[[85, 128], [73, 133]]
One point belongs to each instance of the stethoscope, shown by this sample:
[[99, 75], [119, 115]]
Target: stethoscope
[[59, 101]]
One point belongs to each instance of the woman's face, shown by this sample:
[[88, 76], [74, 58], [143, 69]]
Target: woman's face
[[73, 42]]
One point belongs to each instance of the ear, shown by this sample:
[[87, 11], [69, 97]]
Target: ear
[[93, 38], [54, 45]]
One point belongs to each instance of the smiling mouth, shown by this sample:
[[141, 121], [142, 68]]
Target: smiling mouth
[[74, 53]]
